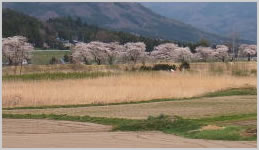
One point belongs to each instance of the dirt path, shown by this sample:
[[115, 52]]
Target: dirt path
[[27, 133], [196, 108]]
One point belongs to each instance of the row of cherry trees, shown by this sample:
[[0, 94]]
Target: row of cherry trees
[[103, 53], [16, 49]]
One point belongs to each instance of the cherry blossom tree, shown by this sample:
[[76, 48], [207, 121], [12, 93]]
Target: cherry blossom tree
[[146, 57], [16, 50], [164, 52], [247, 50], [98, 51], [93, 51], [183, 54], [204, 53], [81, 53], [114, 51], [221, 52], [134, 51], [171, 52]]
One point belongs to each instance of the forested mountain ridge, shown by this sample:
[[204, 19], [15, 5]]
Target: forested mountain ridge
[[65, 28], [129, 17]]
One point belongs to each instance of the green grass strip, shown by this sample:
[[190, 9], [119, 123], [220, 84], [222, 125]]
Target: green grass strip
[[177, 125], [252, 116], [233, 91], [230, 133], [98, 120], [228, 92], [56, 76]]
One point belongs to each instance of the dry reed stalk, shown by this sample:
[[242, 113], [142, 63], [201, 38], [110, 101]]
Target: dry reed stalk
[[127, 87]]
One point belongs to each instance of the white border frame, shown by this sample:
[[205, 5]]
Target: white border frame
[[126, 1]]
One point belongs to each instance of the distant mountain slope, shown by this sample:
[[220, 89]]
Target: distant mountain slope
[[57, 30], [130, 17], [14, 23], [219, 18]]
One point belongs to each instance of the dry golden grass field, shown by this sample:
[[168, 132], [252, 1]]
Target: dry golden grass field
[[128, 86]]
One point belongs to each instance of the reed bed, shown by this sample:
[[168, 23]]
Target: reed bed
[[129, 86], [213, 67]]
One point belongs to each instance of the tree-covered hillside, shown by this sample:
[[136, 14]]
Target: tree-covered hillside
[[74, 29], [66, 28], [127, 17], [15, 23]]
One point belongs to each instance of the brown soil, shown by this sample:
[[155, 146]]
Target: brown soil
[[30, 126], [24, 133]]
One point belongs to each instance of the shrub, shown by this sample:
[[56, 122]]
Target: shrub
[[66, 58], [145, 68], [133, 69], [53, 60], [184, 65], [167, 67], [162, 123]]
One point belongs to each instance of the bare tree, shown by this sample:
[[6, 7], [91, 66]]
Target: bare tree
[[17, 50], [234, 47]]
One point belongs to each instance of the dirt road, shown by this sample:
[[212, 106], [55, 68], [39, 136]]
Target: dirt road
[[196, 108], [27, 133]]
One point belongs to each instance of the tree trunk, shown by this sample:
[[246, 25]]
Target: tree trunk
[[86, 61], [110, 60], [98, 61], [15, 68], [21, 68], [10, 61]]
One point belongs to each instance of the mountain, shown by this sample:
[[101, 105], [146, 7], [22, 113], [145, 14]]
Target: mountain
[[56, 31], [215, 17], [14, 23], [129, 17]]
